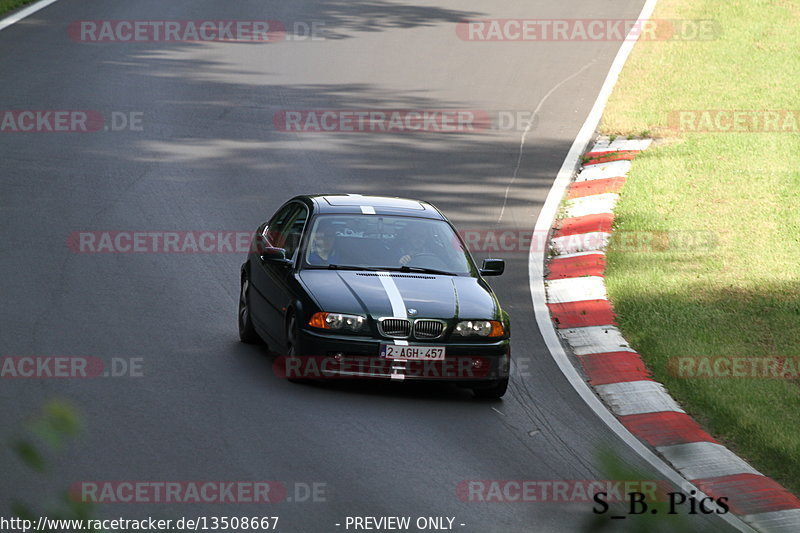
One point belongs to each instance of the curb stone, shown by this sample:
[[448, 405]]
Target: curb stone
[[582, 315]]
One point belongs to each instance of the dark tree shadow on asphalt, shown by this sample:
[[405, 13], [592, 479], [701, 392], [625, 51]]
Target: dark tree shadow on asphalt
[[342, 18], [210, 157]]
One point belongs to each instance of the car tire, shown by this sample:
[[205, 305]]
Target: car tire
[[492, 392], [247, 332]]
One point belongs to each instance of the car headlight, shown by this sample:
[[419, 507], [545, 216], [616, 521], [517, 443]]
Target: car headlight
[[337, 321], [481, 328]]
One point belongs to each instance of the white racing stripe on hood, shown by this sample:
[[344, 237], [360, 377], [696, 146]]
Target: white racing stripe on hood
[[398, 305]]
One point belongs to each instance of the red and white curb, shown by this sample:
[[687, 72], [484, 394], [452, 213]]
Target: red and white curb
[[579, 308]]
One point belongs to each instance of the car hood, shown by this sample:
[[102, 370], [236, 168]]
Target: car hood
[[379, 294]]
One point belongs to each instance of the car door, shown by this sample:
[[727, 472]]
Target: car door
[[272, 279]]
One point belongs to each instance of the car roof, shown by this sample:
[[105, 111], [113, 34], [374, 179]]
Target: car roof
[[379, 205]]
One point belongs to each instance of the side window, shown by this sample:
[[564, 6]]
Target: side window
[[294, 231], [277, 225]]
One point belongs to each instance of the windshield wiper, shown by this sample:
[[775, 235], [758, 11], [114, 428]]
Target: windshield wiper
[[348, 267], [404, 268], [421, 270]]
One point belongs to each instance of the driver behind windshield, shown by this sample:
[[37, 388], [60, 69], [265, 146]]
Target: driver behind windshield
[[321, 251], [414, 241]]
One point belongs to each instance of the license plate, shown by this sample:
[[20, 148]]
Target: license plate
[[412, 353]]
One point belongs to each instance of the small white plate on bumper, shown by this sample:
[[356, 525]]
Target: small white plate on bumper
[[413, 353]]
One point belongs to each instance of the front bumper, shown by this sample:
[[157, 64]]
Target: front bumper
[[323, 356]]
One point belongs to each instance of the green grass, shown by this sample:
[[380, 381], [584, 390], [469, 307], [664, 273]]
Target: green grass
[[9, 5], [740, 297]]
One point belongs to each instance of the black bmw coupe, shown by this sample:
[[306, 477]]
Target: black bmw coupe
[[354, 286]]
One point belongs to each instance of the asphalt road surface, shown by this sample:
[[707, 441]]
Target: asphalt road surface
[[206, 155]]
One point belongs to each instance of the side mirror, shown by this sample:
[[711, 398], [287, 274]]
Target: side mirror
[[275, 255], [269, 253], [493, 267]]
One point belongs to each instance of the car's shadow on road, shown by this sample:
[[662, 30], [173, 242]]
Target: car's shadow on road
[[386, 388]]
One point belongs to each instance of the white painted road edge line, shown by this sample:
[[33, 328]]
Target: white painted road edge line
[[23, 13], [536, 276]]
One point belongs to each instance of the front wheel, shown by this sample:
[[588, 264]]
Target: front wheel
[[494, 391], [247, 332]]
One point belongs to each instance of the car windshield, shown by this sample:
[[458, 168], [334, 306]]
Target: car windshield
[[385, 243]]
